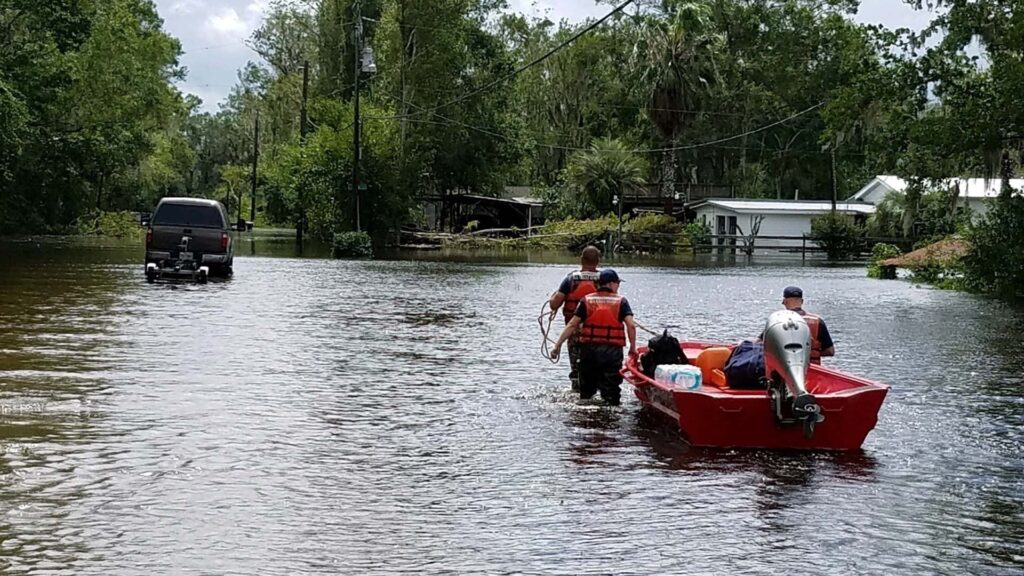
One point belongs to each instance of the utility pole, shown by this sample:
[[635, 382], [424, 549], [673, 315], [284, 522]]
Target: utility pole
[[835, 192], [620, 201], [303, 122], [357, 49], [255, 160]]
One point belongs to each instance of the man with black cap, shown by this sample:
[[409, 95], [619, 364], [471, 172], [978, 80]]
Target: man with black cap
[[821, 340], [604, 319], [573, 288]]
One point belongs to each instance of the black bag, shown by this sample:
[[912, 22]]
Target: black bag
[[663, 349], [745, 368]]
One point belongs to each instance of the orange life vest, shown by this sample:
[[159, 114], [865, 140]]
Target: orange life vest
[[602, 325], [583, 282], [814, 324]]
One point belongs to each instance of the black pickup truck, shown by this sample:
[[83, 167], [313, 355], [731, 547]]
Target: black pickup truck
[[189, 234]]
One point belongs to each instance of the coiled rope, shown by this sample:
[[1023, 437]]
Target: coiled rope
[[545, 330]]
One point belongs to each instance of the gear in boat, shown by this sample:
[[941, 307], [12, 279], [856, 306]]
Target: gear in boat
[[799, 405]]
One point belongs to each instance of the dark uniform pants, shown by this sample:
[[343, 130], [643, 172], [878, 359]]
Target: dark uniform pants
[[574, 361], [599, 367]]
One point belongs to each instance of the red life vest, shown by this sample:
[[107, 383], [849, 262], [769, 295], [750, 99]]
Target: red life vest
[[602, 325], [814, 324], [583, 282]]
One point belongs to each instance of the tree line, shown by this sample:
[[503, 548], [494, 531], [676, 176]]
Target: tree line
[[770, 98]]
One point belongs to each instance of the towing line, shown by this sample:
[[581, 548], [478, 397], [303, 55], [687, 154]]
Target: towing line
[[545, 330]]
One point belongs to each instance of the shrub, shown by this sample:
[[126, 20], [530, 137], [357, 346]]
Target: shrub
[[352, 245], [881, 252], [838, 234], [114, 224], [651, 223], [995, 261], [698, 232]]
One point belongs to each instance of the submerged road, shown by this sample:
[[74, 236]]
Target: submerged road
[[312, 416]]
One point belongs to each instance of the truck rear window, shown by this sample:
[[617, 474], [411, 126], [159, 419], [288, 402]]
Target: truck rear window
[[187, 215]]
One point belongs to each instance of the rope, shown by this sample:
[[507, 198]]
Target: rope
[[545, 330], [641, 326]]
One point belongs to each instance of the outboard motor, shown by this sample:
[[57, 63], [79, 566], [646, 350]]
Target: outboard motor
[[787, 355]]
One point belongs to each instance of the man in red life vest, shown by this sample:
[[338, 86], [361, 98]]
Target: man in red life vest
[[604, 319], [821, 340], [574, 287]]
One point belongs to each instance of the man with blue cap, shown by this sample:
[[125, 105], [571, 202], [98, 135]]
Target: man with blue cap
[[574, 287], [821, 340], [604, 319]]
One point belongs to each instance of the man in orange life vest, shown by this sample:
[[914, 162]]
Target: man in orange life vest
[[821, 340], [574, 287], [604, 320]]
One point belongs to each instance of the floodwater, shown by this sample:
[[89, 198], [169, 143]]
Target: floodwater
[[316, 416]]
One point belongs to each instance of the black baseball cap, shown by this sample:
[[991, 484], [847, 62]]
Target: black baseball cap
[[608, 276], [792, 292]]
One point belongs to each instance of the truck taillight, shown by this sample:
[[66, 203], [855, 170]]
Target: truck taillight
[[149, 236], [224, 240]]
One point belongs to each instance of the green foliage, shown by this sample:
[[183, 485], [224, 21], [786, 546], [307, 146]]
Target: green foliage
[[600, 175], [122, 224], [995, 261], [651, 223], [85, 87], [698, 232], [838, 234], [879, 253], [352, 245]]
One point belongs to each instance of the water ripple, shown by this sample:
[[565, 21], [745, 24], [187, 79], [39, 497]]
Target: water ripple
[[394, 417]]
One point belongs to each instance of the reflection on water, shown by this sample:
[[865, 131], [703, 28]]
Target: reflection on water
[[394, 416]]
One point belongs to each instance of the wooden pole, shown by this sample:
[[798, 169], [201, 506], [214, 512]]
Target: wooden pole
[[357, 42], [255, 160], [303, 128]]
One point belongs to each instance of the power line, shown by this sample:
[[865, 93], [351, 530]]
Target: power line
[[530, 64], [709, 144], [731, 138]]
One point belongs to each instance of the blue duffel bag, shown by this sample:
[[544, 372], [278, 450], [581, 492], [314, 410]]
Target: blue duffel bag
[[745, 367]]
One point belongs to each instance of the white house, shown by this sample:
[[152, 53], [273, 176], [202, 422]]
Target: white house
[[974, 192], [790, 218]]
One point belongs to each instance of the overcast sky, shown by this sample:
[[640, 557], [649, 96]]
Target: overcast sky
[[213, 32]]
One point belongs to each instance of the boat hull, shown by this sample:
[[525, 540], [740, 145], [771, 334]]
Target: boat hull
[[726, 418]]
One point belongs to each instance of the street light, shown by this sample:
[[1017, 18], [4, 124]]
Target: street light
[[369, 64]]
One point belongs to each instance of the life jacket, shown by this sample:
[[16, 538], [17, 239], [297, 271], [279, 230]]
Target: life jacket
[[602, 325], [582, 283], [814, 324]]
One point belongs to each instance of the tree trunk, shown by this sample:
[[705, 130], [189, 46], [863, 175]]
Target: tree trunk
[[913, 196], [99, 191], [667, 163], [1005, 174]]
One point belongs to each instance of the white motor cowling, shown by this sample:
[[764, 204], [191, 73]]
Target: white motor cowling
[[787, 357]]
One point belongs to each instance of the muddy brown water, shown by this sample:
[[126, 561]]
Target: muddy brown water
[[317, 416]]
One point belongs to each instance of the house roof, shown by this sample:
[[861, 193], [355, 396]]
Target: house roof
[[757, 206], [969, 187]]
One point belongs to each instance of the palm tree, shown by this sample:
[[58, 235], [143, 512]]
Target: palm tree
[[605, 171], [676, 54]]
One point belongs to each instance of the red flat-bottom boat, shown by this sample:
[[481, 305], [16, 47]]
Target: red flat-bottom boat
[[718, 416]]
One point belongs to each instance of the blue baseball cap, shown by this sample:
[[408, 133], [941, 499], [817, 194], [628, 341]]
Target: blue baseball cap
[[792, 292], [608, 276]]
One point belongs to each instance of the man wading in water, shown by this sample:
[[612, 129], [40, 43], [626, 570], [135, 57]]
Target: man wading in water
[[574, 287], [604, 320]]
